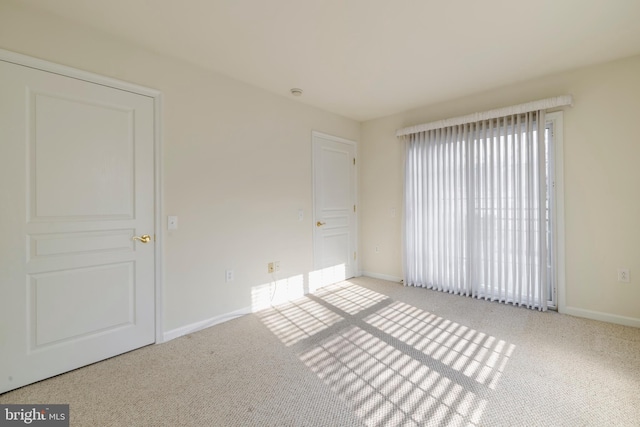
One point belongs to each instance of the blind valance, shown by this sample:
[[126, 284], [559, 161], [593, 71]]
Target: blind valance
[[542, 104]]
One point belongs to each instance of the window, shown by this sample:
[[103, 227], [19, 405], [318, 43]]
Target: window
[[479, 209]]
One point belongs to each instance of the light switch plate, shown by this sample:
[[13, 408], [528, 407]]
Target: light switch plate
[[172, 222]]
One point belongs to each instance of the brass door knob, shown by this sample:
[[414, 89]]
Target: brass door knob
[[145, 238], [320, 224]]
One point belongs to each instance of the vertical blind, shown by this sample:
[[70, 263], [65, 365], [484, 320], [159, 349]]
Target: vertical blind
[[476, 209]]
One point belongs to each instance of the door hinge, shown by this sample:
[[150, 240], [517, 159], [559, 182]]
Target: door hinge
[[354, 256], [354, 161], [354, 208]]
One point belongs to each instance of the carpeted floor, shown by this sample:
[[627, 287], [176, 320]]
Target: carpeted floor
[[367, 353]]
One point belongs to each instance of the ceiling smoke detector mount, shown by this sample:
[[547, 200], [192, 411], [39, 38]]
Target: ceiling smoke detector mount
[[296, 91]]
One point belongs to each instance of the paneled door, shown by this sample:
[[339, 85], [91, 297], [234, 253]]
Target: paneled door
[[334, 223], [77, 196]]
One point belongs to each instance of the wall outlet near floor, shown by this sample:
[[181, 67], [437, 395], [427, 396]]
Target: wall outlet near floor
[[229, 276], [623, 275], [273, 267]]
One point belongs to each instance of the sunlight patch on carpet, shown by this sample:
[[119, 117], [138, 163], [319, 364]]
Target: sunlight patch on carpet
[[391, 362]]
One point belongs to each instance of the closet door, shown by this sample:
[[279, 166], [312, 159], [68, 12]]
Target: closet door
[[76, 186]]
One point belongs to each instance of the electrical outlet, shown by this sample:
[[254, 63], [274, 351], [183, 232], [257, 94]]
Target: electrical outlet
[[229, 276], [377, 249], [271, 267], [276, 266], [623, 275]]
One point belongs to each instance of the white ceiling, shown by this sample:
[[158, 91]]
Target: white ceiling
[[369, 58]]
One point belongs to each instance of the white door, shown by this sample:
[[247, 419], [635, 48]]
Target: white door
[[76, 185], [334, 183]]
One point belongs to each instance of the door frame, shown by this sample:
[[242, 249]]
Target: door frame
[[354, 144], [39, 64]]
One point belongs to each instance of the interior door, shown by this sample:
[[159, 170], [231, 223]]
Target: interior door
[[77, 184], [334, 178]]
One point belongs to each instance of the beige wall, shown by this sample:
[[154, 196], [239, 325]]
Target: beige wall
[[602, 179], [237, 169], [237, 165]]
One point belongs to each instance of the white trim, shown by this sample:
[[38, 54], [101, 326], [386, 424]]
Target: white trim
[[602, 317], [382, 276], [333, 138], [50, 67], [40, 64], [203, 324], [542, 104], [558, 140], [315, 134], [159, 217]]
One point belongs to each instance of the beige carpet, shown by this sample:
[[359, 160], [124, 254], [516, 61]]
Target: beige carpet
[[367, 352]]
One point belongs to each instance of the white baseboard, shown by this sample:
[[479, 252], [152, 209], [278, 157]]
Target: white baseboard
[[203, 324], [382, 276], [603, 317]]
